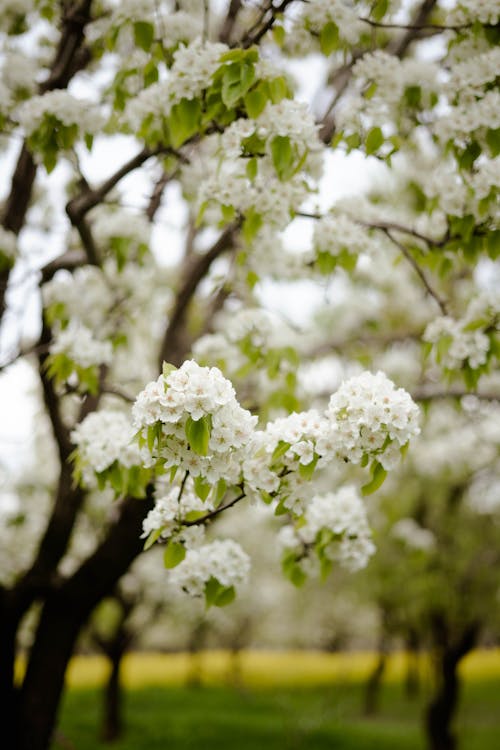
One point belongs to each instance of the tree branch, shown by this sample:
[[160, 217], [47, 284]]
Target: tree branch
[[173, 348], [419, 271]]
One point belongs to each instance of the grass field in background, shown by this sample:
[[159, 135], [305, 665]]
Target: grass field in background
[[285, 701]]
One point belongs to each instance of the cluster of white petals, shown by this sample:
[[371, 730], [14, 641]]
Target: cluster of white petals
[[466, 11], [223, 560], [171, 510], [454, 345], [390, 78], [371, 417], [408, 531], [273, 199], [288, 118], [316, 14], [64, 107], [80, 346], [340, 517], [113, 225], [188, 395], [336, 233], [84, 294], [471, 117], [193, 67], [102, 438]]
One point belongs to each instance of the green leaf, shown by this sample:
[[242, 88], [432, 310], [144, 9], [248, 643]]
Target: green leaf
[[201, 487], [226, 596], [152, 538], [292, 569], [255, 101], [278, 89], [252, 167], [198, 434], [328, 38], [283, 156], [219, 492], [174, 554], [280, 450], [144, 33], [184, 121], [237, 79], [251, 225], [217, 594], [167, 368], [379, 9], [374, 140], [493, 141], [378, 476], [307, 470]]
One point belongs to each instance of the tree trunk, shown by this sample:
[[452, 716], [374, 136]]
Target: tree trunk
[[374, 682], [412, 677], [112, 722], [64, 613], [442, 707]]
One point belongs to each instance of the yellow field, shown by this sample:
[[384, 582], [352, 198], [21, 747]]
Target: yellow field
[[262, 668]]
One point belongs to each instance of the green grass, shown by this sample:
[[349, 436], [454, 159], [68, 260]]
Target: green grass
[[279, 718]]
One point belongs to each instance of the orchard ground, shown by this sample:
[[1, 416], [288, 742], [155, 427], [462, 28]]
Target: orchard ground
[[272, 701]]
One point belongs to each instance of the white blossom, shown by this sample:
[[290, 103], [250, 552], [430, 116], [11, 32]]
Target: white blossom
[[102, 438], [223, 560]]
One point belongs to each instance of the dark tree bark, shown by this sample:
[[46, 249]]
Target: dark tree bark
[[70, 57], [114, 646], [412, 677], [65, 611], [112, 720], [442, 707], [374, 682]]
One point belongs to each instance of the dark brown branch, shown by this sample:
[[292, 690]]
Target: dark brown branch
[[421, 16], [213, 513], [173, 347], [262, 26], [66, 63], [78, 207], [229, 21], [414, 26], [419, 271]]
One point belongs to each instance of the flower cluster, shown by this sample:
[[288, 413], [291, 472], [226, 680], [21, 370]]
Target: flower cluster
[[456, 346], [123, 234], [336, 19], [469, 343], [333, 527], [179, 505], [289, 119], [338, 240], [190, 418], [389, 89], [62, 107], [80, 346], [213, 570], [84, 295], [372, 419], [103, 438], [472, 118], [466, 11], [193, 67]]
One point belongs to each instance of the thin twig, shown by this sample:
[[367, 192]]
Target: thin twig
[[419, 271], [213, 513]]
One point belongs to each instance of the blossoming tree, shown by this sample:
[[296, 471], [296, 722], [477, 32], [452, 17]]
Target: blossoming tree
[[204, 93]]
